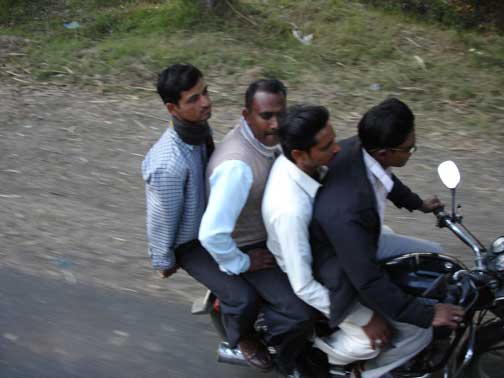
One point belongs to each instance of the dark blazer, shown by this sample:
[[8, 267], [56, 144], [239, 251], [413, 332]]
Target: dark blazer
[[345, 231]]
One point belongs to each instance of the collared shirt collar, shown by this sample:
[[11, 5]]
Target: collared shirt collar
[[261, 148], [384, 176], [307, 183]]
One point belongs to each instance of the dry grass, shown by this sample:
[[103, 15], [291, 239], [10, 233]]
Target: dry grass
[[357, 57]]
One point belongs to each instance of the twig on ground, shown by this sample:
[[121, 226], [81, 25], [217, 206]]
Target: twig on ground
[[21, 81], [412, 89], [13, 73], [102, 101], [413, 42], [240, 14], [150, 116], [142, 88], [140, 124]]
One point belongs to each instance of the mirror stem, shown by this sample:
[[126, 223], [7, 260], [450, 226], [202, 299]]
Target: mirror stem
[[454, 213]]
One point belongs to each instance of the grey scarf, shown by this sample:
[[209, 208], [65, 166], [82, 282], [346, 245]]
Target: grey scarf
[[194, 133]]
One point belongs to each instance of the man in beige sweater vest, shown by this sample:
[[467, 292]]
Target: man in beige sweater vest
[[232, 229]]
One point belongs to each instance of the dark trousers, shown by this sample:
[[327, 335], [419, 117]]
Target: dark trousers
[[288, 318], [239, 301]]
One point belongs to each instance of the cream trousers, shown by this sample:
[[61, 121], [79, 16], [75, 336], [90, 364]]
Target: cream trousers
[[350, 344]]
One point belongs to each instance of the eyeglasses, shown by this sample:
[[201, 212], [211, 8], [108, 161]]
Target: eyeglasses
[[409, 150]]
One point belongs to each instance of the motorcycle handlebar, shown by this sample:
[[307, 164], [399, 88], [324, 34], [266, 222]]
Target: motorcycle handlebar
[[442, 217], [454, 224]]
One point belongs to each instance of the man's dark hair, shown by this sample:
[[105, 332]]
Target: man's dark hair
[[298, 127], [176, 79], [386, 125], [273, 86]]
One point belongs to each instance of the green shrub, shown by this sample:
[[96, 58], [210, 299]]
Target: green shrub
[[13, 12], [481, 14]]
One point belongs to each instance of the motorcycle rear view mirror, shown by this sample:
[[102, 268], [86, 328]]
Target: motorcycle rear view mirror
[[449, 174]]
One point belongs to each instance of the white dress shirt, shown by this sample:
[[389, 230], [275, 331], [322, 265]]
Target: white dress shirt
[[381, 180], [287, 212]]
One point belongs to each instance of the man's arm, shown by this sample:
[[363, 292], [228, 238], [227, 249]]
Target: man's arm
[[165, 202], [357, 254], [402, 196], [293, 236], [230, 185]]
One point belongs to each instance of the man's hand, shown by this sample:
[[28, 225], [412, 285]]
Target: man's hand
[[431, 204], [260, 259], [165, 273], [447, 315], [378, 331]]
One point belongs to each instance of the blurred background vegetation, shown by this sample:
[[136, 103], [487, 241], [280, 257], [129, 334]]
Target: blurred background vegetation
[[475, 14], [478, 14], [439, 53]]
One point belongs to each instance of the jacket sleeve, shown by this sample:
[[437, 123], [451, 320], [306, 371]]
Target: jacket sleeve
[[356, 248], [402, 196]]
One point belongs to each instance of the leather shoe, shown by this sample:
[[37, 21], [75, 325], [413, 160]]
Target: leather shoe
[[299, 371], [256, 354], [296, 372], [338, 371], [345, 371]]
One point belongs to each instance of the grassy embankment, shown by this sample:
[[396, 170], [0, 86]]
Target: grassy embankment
[[358, 54]]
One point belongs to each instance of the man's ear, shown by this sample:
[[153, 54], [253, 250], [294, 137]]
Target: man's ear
[[381, 156], [298, 156], [171, 107], [245, 113], [382, 153]]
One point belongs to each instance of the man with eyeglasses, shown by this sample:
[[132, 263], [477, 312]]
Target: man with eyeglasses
[[388, 139], [348, 236], [233, 232]]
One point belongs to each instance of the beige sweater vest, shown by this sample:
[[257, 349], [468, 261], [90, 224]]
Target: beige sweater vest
[[236, 145]]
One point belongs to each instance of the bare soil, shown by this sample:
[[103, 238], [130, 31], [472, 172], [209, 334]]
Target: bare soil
[[72, 197]]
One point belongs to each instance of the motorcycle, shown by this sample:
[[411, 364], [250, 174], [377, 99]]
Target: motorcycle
[[476, 348]]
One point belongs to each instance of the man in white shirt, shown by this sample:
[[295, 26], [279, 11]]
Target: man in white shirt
[[232, 228], [308, 143]]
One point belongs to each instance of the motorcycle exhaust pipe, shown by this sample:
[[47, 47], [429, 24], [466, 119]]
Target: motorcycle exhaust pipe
[[229, 355]]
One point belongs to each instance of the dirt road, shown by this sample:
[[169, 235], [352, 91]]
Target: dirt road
[[72, 197]]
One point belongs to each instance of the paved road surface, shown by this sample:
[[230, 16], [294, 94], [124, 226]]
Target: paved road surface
[[54, 329]]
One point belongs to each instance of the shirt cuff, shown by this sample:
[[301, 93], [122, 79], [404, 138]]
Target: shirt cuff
[[161, 260], [359, 315], [235, 265]]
